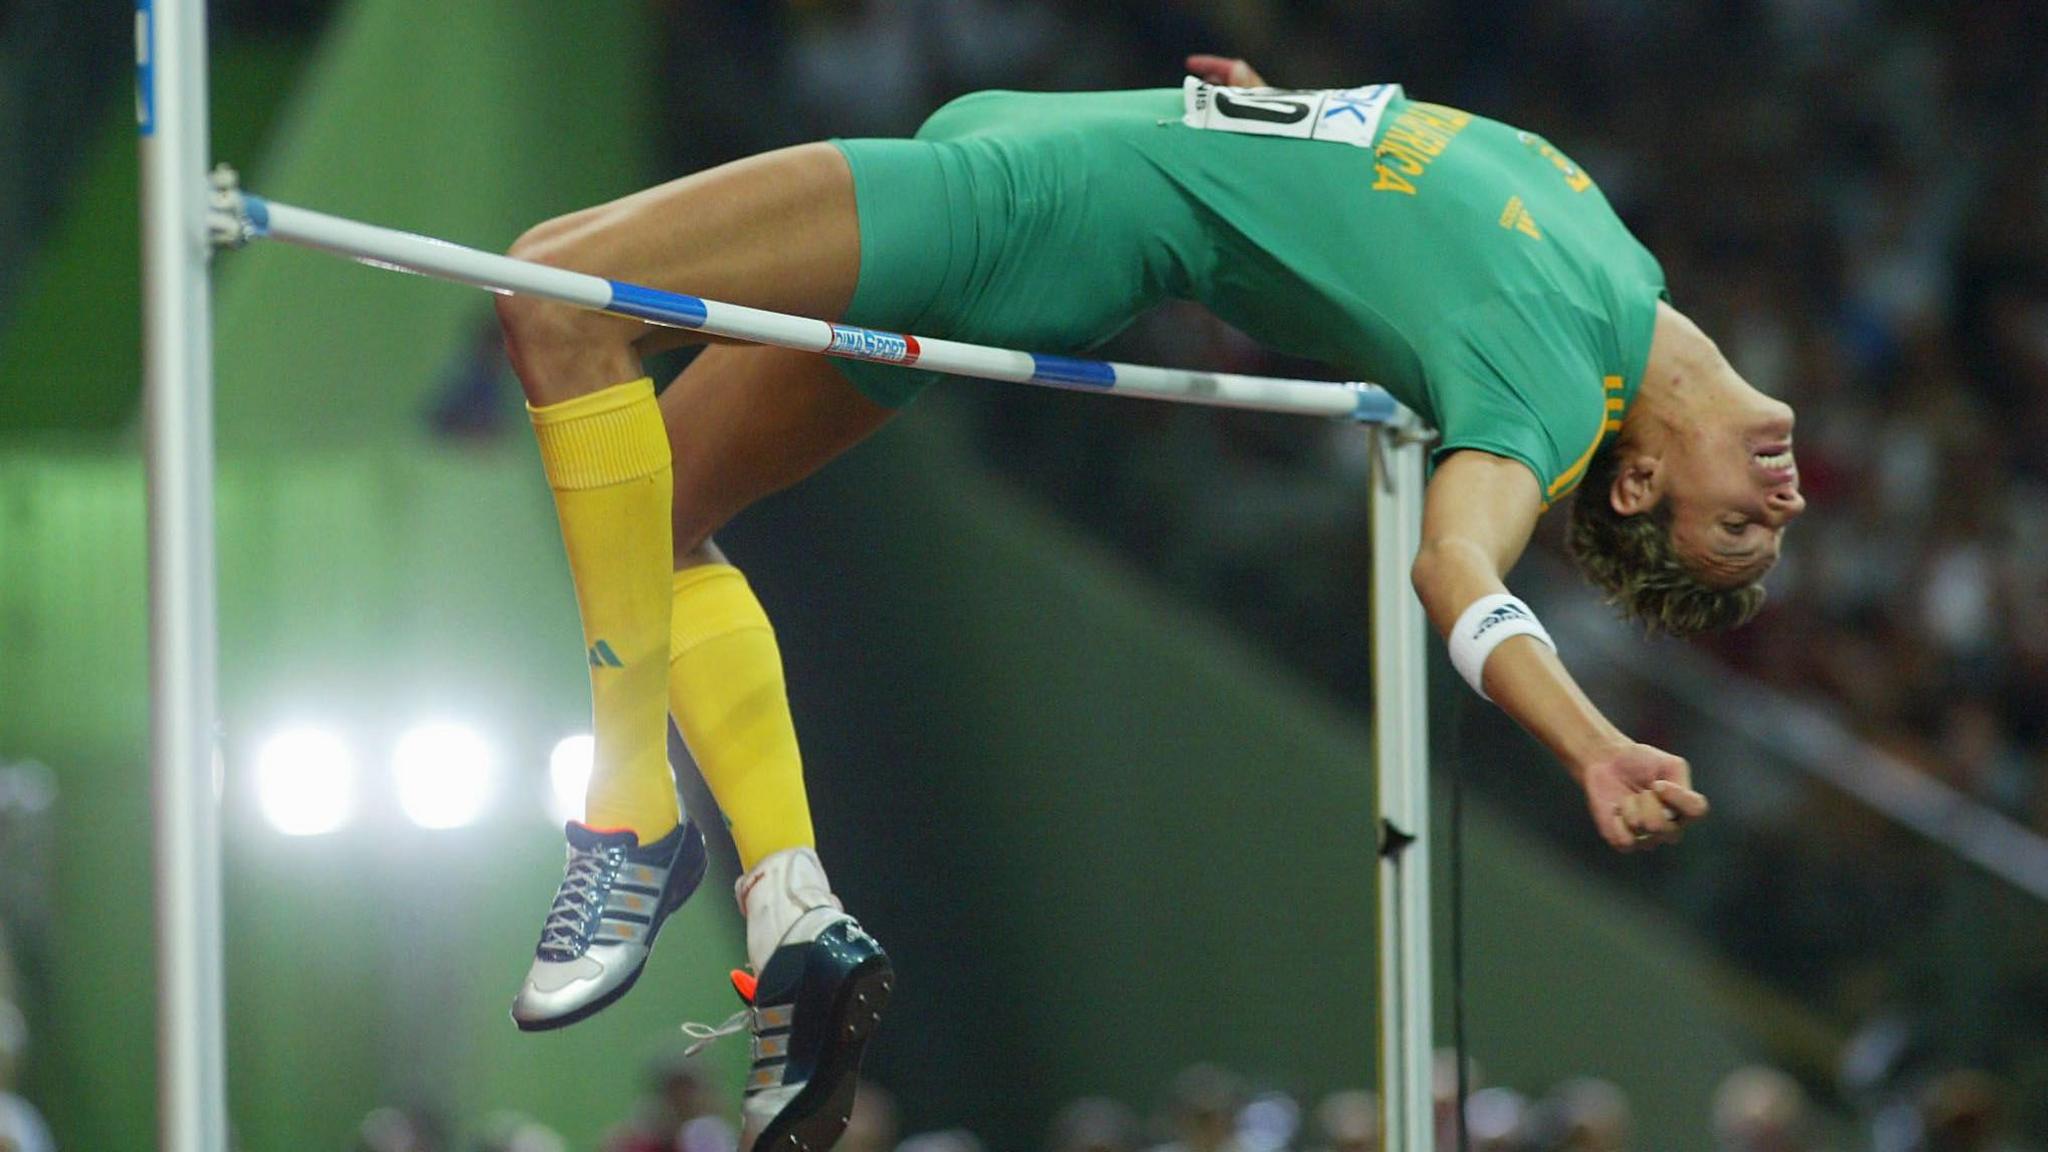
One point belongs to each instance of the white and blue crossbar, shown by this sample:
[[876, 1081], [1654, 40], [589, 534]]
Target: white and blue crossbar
[[240, 217], [1401, 716]]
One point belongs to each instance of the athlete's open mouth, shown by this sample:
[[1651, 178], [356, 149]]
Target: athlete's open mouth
[[1776, 463]]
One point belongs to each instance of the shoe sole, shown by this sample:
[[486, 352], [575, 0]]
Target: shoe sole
[[817, 1116], [612, 997]]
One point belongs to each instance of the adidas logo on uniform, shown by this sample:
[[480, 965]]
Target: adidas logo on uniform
[[602, 656], [1517, 217]]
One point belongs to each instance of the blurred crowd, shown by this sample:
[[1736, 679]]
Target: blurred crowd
[[1847, 194], [26, 792], [21, 1126], [1210, 1109]]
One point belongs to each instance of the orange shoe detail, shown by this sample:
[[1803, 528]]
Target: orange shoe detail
[[743, 982]]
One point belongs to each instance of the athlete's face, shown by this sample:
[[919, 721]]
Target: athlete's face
[[1733, 487]]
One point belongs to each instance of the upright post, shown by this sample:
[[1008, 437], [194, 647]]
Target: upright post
[[171, 107], [1401, 745]]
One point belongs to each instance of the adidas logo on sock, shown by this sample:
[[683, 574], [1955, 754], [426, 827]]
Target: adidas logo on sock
[[602, 656]]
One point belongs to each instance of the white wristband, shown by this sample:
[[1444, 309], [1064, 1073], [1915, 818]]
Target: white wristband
[[1481, 628]]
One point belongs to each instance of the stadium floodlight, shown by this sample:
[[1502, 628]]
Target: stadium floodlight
[[444, 774], [306, 781], [569, 774]]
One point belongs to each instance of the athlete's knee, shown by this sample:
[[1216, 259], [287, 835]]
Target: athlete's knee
[[692, 521], [701, 502], [531, 322], [558, 349], [703, 552]]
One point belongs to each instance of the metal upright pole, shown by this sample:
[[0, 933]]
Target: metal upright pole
[[1401, 744], [178, 402]]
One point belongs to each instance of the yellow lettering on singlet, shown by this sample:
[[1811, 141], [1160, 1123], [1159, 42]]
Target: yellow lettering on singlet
[[1575, 177], [1450, 119], [1427, 141], [1411, 161], [1391, 181], [1416, 138]]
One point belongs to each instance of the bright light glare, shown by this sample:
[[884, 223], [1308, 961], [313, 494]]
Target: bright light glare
[[443, 773], [305, 781], [569, 773]]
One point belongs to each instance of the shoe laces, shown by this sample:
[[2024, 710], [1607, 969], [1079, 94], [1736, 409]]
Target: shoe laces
[[576, 901], [703, 1036]]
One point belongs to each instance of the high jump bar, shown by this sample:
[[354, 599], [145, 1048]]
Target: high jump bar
[[239, 217], [1399, 461]]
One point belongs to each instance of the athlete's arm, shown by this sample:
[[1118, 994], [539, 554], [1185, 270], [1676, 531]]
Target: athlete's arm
[[1479, 513]]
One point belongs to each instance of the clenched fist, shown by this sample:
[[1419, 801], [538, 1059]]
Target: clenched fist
[[1641, 797]]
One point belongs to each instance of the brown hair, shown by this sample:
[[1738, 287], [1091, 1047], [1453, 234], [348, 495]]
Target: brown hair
[[1636, 567]]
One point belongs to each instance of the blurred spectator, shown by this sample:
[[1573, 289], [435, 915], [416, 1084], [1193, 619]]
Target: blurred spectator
[[1760, 1109], [860, 67], [512, 1132], [1590, 1115], [10, 985], [677, 1098], [1094, 1124], [872, 1127], [21, 1126], [1444, 1090], [1202, 1114], [1966, 1111], [413, 1129], [1497, 1120], [947, 1140], [470, 403], [1268, 1122], [1349, 1121], [28, 834]]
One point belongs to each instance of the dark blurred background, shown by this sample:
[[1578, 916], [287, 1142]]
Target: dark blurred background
[[1082, 681]]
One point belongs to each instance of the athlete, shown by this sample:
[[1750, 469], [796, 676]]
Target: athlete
[[1471, 268]]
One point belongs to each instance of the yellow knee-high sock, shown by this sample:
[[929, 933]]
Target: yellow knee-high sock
[[726, 692], [607, 460]]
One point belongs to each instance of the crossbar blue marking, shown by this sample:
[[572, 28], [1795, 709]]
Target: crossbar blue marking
[[1072, 370], [1374, 407], [145, 67], [654, 304], [257, 209]]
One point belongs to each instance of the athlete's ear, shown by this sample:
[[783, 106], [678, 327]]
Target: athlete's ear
[[1637, 483]]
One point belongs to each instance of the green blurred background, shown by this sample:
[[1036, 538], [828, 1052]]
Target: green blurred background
[[1105, 832]]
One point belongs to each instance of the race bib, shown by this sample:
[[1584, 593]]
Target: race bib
[[1341, 115]]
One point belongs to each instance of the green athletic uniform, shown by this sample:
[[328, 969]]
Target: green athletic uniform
[[1470, 268]]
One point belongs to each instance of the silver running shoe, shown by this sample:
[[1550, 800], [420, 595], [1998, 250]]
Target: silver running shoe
[[811, 1012], [614, 897]]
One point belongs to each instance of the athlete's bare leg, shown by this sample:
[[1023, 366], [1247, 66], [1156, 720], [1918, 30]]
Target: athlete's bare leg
[[780, 232], [744, 422], [774, 231]]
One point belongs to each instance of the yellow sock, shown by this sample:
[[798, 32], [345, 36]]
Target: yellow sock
[[607, 459], [726, 691]]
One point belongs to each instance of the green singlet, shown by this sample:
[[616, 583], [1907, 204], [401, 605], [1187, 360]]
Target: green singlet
[[1470, 268]]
